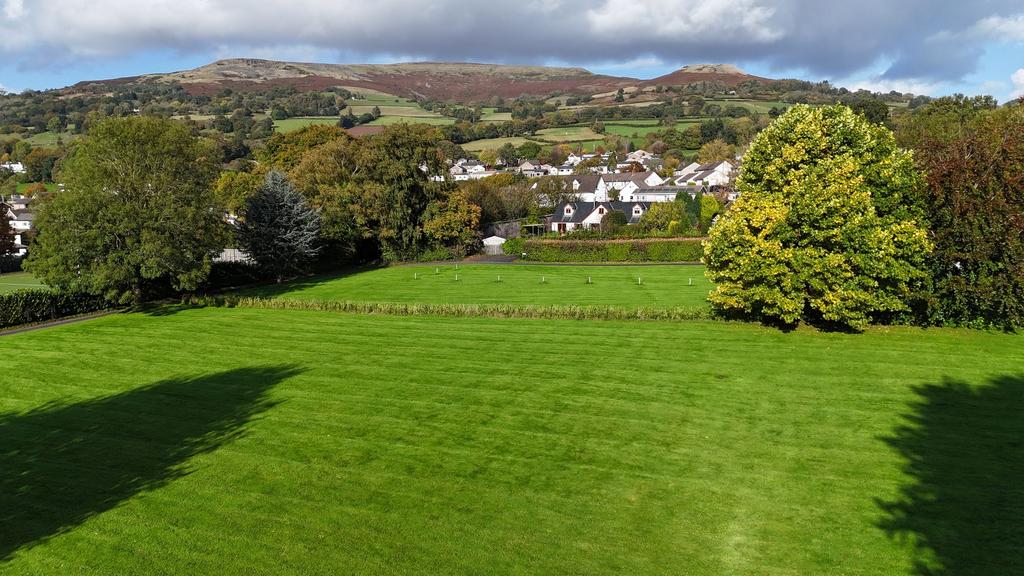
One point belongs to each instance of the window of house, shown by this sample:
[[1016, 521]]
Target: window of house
[[600, 210], [568, 210]]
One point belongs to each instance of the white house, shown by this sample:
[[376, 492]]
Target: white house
[[570, 216], [625, 184], [713, 174], [16, 167]]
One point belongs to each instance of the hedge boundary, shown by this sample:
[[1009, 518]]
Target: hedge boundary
[[552, 312], [689, 250], [35, 306]]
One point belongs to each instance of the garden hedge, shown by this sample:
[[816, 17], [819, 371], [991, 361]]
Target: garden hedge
[[648, 250], [29, 306]]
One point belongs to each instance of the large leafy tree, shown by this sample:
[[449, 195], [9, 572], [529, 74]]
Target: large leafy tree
[[137, 216], [976, 207], [280, 230], [829, 227]]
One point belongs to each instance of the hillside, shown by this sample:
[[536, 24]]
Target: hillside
[[435, 80]]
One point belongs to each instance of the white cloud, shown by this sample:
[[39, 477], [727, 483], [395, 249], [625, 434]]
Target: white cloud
[[878, 84], [1018, 83], [1001, 28], [832, 38], [14, 9], [739, 19]]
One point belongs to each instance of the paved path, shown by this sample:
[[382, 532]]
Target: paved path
[[52, 323]]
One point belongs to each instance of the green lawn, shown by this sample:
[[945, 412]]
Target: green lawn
[[659, 286], [238, 442], [12, 281]]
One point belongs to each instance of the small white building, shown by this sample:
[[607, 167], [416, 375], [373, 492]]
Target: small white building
[[16, 167], [493, 245]]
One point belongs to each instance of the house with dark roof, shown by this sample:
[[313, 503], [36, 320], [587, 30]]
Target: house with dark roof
[[570, 216]]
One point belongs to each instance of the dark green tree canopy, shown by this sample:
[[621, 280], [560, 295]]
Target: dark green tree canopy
[[279, 231], [137, 214]]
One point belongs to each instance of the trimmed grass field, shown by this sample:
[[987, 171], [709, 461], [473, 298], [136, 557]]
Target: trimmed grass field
[[11, 281], [235, 441], [659, 287]]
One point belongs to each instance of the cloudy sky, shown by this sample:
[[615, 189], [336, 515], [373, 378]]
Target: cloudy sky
[[922, 46]]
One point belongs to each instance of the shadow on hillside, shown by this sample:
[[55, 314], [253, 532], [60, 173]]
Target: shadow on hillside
[[62, 464], [964, 503]]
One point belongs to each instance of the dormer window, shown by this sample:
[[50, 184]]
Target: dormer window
[[568, 211], [637, 211]]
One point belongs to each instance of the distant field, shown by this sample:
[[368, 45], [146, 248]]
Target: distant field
[[660, 286], [493, 143], [292, 124], [759, 106], [568, 134], [629, 129], [409, 111], [50, 138], [22, 187], [490, 115], [433, 120], [18, 281]]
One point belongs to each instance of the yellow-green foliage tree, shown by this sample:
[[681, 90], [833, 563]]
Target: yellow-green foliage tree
[[829, 226]]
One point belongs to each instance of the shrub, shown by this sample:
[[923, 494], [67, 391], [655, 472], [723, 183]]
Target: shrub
[[648, 250], [514, 246], [10, 264], [29, 306]]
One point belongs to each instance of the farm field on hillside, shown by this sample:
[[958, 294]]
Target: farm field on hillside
[[628, 129], [11, 281], [22, 187], [433, 120], [292, 124], [659, 287], [493, 143], [568, 134], [759, 106], [381, 444]]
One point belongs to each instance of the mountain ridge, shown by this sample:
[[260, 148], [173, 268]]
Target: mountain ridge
[[460, 81]]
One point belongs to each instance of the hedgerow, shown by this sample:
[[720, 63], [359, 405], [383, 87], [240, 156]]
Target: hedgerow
[[29, 306], [557, 312]]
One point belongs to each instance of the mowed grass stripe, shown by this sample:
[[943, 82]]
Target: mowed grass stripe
[[442, 445], [658, 286]]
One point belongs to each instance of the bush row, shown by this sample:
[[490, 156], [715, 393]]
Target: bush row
[[557, 312], [10, 264], [650, 250], [29, 306]]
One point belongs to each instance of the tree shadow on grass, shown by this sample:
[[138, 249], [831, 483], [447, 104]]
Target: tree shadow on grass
[[62, 464], [964, 505]]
